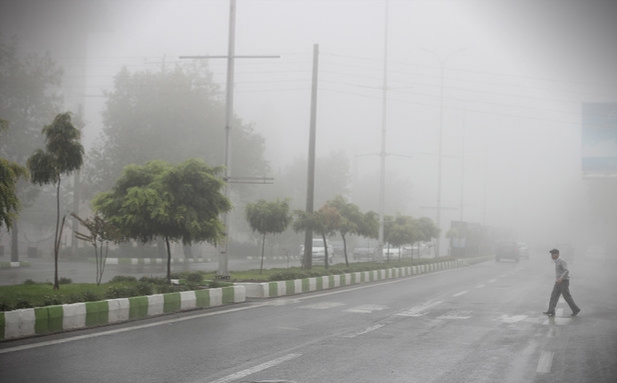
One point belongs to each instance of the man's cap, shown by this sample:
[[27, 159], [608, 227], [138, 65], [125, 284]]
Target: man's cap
[[554, 251]]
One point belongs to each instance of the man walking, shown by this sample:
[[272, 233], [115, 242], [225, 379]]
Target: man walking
[[562, 285]]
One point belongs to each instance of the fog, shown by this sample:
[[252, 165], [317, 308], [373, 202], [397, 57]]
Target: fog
[[505, 81]]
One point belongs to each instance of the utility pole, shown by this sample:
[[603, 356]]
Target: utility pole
[[442, 62], [382, 153], [223, 269], [310, 184]]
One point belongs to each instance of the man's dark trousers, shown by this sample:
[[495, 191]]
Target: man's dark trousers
[[562, 288]]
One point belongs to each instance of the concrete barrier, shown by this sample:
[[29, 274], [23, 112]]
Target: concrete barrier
[[51, 319], [298, 286]]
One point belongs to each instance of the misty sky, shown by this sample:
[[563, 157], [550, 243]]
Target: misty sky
[[514, 76]]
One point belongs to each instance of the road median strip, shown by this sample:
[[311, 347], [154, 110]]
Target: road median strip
[[29, 322]]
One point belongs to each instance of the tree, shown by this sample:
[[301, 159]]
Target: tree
[[400, 231], [63, 154], [101, 233], [28, 100], [268, 218], [351, 220], [10, 172], [170, 115], [324, 221], [177, 203], [427, 229]]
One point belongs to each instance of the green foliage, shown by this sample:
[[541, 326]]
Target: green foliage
[[22, 303], [123, 278], [145, 288], [10, 172], [121, 291], [53, 299], [89, 296], [293, 274], [268, 218], [195, 278], [63, 154], [154, 280], [353, 221], [177, 203], [65, 281]]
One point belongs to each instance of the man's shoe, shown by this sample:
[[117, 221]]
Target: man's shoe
[[575, 313], [549, 313]]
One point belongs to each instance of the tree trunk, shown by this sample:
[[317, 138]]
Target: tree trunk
[[263, 245], [345, 249], [56, 239], [168, 259], [325, 244], [15, 242]]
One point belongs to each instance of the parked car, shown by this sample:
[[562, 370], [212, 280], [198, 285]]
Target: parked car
[[364, 253], [523, 249], [507, 250], [319, 251]]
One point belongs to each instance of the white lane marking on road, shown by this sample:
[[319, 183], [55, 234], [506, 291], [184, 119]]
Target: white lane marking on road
[[481, 285], [365, 331], [461, 314], [460, 293], [492, 280], [322, 305], [258, 368], [366, 309], [545, 362], [418, 311], [512, 319]]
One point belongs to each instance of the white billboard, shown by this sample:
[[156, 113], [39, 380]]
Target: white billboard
[[599, 140]]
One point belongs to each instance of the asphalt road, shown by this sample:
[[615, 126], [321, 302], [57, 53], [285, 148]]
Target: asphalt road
[[477, 324]]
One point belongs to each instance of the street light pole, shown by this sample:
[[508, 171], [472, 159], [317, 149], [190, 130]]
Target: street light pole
[[439, 160]]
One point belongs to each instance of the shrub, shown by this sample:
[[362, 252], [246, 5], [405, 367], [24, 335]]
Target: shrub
[[49, 300], [144, 288], [289, 275], [154, 280], [123, 278], [90, 296], [195, 278], [22, 303], [72, 298], [65, 281], [164, 289], [29, 282], [121, 291]]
